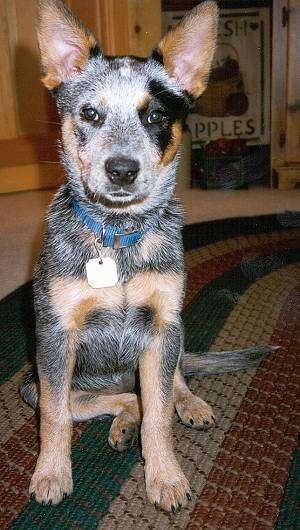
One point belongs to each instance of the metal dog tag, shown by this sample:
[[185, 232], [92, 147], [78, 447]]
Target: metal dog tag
[[101, 272]]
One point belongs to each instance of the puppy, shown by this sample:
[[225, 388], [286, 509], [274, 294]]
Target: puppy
[[109, 282]]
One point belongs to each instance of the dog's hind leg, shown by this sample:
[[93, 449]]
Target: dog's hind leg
[[191, 409], [125, 407], [86, 405]]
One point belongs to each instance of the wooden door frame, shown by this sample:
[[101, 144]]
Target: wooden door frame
[[278, 85], [285, 155]]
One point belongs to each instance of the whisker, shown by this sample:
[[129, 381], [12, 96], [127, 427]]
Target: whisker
[[48, 162], [49, 122]]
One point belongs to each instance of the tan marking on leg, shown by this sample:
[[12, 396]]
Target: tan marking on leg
[[162, 292], [172, 149], [74, 299], [192, 410], [82, 310], [52, 478], [56, 421], [86, 405], [165, 483], [163, 313], [126, 407]]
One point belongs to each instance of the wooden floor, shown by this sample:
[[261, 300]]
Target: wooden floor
[[22, 215]]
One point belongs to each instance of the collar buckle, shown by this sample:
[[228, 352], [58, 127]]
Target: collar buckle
[[123, 240], [117, 241]]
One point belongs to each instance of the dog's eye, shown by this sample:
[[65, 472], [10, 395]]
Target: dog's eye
[[155, 116], [90, 114]]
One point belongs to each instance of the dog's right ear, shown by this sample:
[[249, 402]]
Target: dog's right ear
[[65, 44]]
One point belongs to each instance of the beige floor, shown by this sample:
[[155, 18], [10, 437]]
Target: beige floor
[[22, 215]]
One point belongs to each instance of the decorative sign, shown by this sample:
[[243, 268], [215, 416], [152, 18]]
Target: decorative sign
[[237, 99]]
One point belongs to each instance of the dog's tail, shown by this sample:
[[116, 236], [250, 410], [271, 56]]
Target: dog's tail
[[200, 364], [28, 389], [215, 363]]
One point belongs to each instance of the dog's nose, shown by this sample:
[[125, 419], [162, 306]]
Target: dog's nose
[[122, 171]]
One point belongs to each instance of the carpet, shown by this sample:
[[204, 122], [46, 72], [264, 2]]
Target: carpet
[[243, 289]]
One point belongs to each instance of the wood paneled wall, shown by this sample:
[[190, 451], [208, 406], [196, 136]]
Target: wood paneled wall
[[29, 123]]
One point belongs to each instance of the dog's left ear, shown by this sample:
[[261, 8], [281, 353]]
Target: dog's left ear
[[189, 47]]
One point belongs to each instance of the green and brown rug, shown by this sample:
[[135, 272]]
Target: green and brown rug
[[243, 289]]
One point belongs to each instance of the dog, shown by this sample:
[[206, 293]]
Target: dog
[[109, 282]]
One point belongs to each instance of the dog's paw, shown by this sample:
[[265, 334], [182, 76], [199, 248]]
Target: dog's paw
[[194, 412], [167, 489], [123, 432], [50, 486]]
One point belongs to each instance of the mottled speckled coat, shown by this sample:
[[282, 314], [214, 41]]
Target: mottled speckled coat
[[91, 342]]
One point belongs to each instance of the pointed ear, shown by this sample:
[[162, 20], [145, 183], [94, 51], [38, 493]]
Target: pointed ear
[[188, 49], [64, 42]]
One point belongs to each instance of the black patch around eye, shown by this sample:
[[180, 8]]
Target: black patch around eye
[[164, 138], [160, 133], [177, 107]]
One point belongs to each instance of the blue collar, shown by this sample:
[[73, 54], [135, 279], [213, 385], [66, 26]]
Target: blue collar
[[111, 236]]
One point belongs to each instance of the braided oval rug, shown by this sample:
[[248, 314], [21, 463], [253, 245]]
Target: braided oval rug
[[243, 289]]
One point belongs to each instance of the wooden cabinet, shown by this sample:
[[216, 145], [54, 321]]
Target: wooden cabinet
[[285, 112], [29, 123]]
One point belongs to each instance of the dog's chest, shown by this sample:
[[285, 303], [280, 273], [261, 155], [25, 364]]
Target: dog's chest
[[73, 300], [110, 330]]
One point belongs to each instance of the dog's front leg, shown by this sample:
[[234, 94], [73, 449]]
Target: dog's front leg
[[52, 478], [166, 484]]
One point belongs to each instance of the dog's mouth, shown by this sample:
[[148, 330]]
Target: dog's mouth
[[121, 193], [118, 198]]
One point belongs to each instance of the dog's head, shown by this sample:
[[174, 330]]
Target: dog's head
[[122, 118]]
